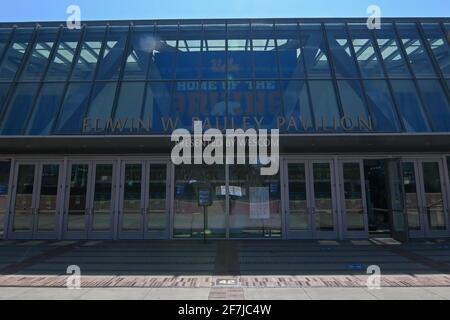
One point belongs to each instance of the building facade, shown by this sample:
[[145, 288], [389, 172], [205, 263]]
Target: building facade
[[86, 117]]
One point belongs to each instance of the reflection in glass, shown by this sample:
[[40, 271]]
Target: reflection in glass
[[240, 60], [111, 62], [132, 195], [102, 100], [77, 198], [40, 55], [23, 204], [390, 51], [18, 109], [437, 104], [354, 208], [90, 50], [4, 37], [213, 53], [101, 219], [296, 106], [255, 203], [46, 108], [343, 60], [380, 101], [323, 201], [316, 57], [189, 216], [410, 106], [130, 104], [142, 45], [5, 168], [189, 55], [324, 102], [264, 50], [157, 211], [433, 196], [353, 103], [48, 209], [366, 56], [290, 51], [439, 45], [73, 109], [298, 205], [3, 94], [62, 61], [162, 59], [14, 54], [415, 50], [411, 196]]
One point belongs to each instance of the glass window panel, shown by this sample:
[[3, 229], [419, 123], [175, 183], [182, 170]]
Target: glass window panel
[[324, 104], [101, 105], [4, 87], [290, 52], [62, 62], [298, 203], [48, 205], [74, 108], [162, 60], [4, 37], [23, 204], [40, 54], [410, 106], [111, 62], [19, 108], [297, 109], [158, 100], [384, 116], [411, 196], [255, 203], [132, 197], [189, 217], [434, 197], [129, 107], [354, 207], [437, 104], [157, 211], [366, 56], [14, 54], [390, 51], [46, 108], [343, 60], [323, 199], [189, 55], [5, 169], [89, 55], [78, 196], [415, 50], [316, 56], [213, 52], [240, 60], [353, 103], [102, 210], [439, 45], [142, 46], [264, 51]]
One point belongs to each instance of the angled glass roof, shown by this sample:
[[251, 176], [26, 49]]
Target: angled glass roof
[[298, 75]]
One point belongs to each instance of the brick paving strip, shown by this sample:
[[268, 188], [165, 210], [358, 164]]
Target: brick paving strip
[[388, 281]]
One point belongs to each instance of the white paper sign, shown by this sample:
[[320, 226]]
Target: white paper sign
[[259, 203]]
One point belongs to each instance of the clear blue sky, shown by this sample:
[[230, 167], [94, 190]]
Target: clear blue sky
[[50, 10]]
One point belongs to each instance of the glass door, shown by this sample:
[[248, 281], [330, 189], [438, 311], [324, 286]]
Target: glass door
[[298, 214], [36, 209], [434, 205], [310, 198], [354, 207], [89, 207], [416, 217], [396, 200], [131, 208], [144, 194]]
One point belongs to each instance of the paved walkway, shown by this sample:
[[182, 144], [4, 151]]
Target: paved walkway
[[224, 269]]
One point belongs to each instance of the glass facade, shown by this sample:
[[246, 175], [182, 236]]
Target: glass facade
[[299, 76]]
